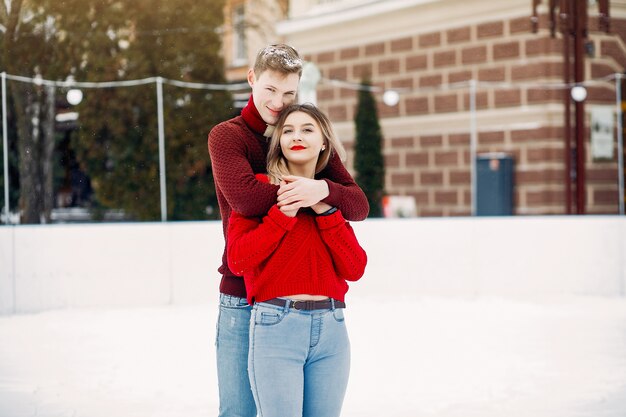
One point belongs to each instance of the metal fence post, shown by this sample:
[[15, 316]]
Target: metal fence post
[[5, 148], [473, 143], [159, 86], [620, 141]]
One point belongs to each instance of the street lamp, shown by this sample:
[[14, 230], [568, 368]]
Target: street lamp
[[74, 96], [571, 18], [579, 93], [391, 97]]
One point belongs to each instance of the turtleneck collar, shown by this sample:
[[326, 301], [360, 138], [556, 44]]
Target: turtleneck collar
[[253, 119]]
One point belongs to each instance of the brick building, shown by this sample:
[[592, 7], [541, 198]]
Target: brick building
[[428, 51]]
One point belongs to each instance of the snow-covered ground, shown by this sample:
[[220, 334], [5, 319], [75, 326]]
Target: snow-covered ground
[[443, 357]]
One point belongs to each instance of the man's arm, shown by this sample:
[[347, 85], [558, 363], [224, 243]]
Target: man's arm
[[233, 174], [344, 193], [339, 190]]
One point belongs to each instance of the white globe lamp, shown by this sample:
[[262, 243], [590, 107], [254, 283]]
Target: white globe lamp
[[74, 96], [391, 97], [579, 93]]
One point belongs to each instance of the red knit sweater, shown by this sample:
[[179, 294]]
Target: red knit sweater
[[238, 151], [280, 255]]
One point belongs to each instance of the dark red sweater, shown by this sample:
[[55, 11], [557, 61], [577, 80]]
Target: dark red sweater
[[238, 151], [280, 255]]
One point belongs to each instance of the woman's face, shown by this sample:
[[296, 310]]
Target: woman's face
[[301, 139]]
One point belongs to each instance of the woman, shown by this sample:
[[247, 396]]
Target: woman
[[295, 266]]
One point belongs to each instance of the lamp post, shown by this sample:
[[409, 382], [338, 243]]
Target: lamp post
[[573, 19], [580, 33]]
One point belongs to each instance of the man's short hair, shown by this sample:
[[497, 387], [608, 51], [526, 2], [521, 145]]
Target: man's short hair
[[280, 58]]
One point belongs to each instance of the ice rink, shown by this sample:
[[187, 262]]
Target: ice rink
[[445, 357]]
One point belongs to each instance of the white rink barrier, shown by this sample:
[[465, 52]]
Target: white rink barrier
[[143, 264]]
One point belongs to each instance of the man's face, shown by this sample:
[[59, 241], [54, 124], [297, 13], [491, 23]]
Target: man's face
[[272, 92]]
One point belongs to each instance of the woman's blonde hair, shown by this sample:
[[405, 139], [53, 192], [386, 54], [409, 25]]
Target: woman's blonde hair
[[276, 162]]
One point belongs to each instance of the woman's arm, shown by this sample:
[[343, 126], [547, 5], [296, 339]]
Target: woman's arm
[[252, 240], [348, 256]]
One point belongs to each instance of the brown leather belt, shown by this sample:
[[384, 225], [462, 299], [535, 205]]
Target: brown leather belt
[[305, 304]]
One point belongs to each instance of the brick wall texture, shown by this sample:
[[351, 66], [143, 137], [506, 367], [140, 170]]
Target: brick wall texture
[[432, 70]]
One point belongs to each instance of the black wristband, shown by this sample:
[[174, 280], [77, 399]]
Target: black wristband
[[328, 212]]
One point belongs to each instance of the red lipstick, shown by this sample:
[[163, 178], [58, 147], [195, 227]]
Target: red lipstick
[[297, 148]]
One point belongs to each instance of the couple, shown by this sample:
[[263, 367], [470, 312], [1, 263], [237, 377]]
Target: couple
[[284, 194]]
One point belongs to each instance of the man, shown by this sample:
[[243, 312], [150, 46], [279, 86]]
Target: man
[[238, 150]]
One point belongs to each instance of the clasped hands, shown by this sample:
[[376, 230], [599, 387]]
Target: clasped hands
[[297, 192]]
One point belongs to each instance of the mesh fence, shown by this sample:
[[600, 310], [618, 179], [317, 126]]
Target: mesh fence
[[136, 150]]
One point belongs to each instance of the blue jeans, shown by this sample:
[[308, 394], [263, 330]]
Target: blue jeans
[[299, 361], [231, 346]]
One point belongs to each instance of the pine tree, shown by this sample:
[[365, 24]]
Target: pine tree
[[118, 141], [37, 42], [368, 159]]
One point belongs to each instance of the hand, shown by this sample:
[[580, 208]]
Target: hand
[[297, 192], [289, 210], [321, 207]]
